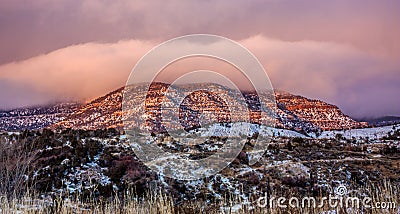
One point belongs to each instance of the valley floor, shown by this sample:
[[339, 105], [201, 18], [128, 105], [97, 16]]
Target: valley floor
[[97, 171]]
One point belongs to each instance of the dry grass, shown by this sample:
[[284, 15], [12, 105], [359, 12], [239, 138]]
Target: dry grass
[[160, 203], [156, 203]]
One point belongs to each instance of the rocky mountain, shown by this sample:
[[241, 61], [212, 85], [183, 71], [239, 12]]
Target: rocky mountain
[[294, 112], [297, 112], [103, 112]]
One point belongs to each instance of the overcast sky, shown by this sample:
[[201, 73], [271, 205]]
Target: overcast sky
[[343, 52]]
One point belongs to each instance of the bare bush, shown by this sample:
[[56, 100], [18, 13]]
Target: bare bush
[[15, 166]]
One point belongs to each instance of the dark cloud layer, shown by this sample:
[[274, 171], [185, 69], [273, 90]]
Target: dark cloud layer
[[30, 28], [344, 52]]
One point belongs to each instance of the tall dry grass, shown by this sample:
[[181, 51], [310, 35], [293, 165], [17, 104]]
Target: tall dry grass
[[154, 203], [161, 203]]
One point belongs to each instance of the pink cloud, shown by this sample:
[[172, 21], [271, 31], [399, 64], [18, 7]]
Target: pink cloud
[[337, 73]]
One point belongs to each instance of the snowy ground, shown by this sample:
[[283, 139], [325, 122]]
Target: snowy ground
[[371, 133], [243, 129], [240, 129], [246, 129]]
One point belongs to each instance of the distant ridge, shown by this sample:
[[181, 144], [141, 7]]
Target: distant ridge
[[36, 117], [294, 112], [382, 121]]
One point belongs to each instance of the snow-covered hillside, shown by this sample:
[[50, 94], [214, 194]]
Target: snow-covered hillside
[[370, 133]]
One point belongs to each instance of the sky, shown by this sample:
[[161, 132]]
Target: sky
[[342, 52]]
